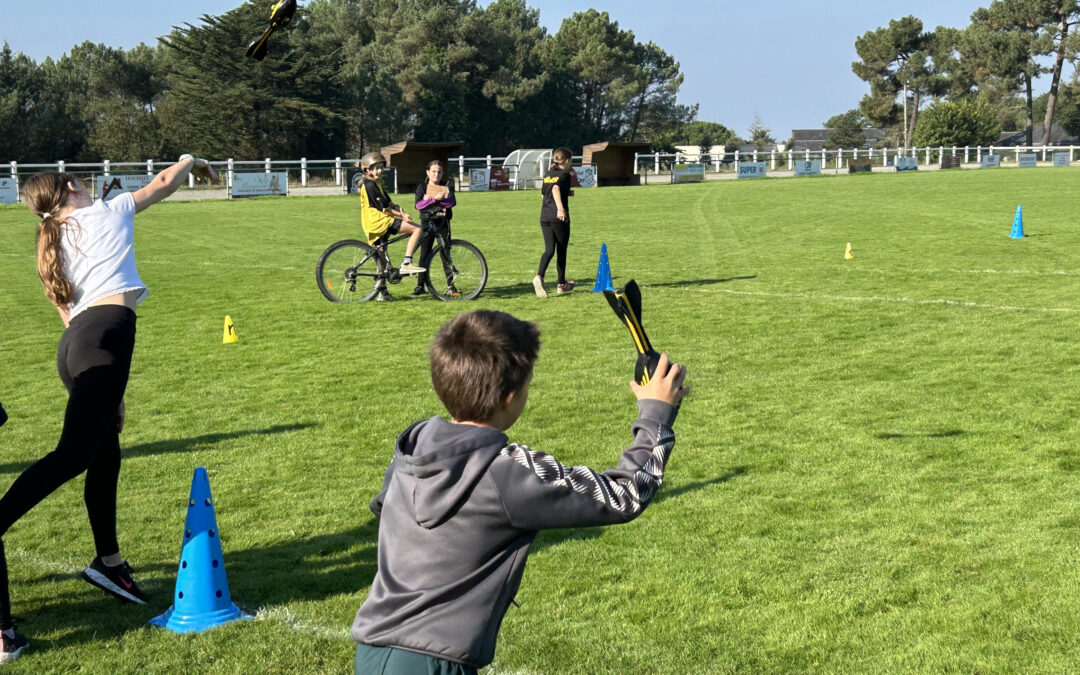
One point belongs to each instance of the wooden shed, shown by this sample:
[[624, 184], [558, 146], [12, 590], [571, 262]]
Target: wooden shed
[[614, 162], [411, 158]]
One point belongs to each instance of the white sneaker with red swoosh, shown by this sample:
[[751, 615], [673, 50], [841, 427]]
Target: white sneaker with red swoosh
[[116, 580]]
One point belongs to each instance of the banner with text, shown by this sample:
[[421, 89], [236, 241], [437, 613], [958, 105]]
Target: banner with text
[[259, 184], [751, 169], [808, 167], [110, 187], [1026, 159], [990, 161], [1062, 158], [688, 173], [9, 191], [907, 164]]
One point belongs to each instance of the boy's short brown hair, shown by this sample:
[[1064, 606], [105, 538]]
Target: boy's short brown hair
[[478, 358]]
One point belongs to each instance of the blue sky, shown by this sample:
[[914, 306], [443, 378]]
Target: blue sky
[[789, 61]]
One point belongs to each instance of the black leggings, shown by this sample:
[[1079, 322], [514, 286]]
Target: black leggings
[[94, 359], [556, 239], [426, 243]]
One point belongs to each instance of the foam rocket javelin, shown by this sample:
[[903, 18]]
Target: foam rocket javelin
[[626, 302], [280, 15]]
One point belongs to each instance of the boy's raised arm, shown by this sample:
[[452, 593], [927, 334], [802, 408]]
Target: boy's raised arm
[[539, 492]]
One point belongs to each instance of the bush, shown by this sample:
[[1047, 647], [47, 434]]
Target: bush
[[962, 123]]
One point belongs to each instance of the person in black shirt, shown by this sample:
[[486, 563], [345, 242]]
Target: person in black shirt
[[435, 202], [555, 221]]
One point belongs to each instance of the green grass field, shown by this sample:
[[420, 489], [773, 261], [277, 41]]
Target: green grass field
[[876, 470]]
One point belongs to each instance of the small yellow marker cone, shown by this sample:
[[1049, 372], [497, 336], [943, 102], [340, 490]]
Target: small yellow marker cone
[[229, 335], [848, 253]]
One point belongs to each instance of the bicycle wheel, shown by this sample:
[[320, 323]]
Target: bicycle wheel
[[458, 273], [346, 271]]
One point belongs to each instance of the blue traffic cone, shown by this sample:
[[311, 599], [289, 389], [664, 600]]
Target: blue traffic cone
[[1018, 224], [603, 273], [202, 598]]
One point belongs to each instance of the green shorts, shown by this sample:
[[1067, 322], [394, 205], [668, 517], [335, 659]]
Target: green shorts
[[390, 661]]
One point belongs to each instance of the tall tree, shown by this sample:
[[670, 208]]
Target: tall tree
[[846, 130], [1002, 53], [895, 60]]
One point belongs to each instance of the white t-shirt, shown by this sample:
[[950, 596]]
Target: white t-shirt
[[99, 252]]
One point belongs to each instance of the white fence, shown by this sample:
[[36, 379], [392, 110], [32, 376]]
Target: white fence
[[334, 172], [784, 160]]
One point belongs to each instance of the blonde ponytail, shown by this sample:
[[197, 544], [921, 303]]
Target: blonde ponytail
[[45, 194]]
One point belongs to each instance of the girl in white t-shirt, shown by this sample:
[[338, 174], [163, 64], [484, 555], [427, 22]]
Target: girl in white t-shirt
[[86, 261]]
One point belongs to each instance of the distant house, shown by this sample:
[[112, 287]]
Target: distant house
[[1058, 136], [815, 139]]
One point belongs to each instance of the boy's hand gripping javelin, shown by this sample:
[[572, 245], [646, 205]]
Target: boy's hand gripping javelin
[[626, 303]]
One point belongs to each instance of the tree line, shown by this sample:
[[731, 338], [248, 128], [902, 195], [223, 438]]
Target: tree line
[[345, 77], [974, 82]]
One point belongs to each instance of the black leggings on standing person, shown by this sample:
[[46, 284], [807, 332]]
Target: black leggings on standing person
[[94, 359], [556, 239], [426, 242]]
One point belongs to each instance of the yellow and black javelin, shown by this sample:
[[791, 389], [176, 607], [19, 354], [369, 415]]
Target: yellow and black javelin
[[626, 304], [280, 15]]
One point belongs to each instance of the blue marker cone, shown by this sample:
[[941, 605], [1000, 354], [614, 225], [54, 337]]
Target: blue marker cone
[[603, 273], [1018, 224], [201, 600]]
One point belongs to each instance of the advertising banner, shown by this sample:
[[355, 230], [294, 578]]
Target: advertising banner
[[990, 161], [109, 187], [478, 180], [1062, 158], [808, 167], [751, 169], [9, 191], [907, 164], [585, 175], [1026, 159], [259, 184], [688, 173], [498, 178]]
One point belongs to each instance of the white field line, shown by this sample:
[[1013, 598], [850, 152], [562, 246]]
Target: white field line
[[913, 301], [913, 270]]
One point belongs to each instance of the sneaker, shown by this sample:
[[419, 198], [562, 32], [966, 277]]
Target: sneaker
[[565, 288], [384, 296], [411, 268], [419, 290], [453, 292], [538, 286], [13, 646], [116, 580]]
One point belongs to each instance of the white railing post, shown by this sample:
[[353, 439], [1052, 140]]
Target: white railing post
[[489, 161], [772, 159], [808, 153], [230, 173], [966, 150], [978, 154], [267, 160], [755, 154], [791, 160], [928, 155], [303, 171], [656, 163], [60, 166], [461, 169], [106, 164], [149, 167], [337, 171]]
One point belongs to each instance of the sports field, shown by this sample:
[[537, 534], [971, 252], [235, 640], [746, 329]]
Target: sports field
[[877, 468]]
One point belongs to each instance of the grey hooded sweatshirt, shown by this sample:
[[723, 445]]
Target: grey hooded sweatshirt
[[459, 509]]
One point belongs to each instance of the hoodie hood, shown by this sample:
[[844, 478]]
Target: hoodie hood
[[440, 463]]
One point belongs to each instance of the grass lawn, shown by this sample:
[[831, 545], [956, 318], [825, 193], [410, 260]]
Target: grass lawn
[[876, 470]]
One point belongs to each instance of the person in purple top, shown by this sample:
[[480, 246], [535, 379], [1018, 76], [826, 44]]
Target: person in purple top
[[435, 202]]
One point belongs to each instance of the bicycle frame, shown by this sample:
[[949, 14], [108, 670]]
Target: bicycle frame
[[390, 271]]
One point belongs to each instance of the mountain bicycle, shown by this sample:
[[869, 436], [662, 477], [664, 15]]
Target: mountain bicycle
[[354, 271]]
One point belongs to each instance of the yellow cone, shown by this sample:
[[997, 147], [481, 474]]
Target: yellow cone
[[848, 253], [229, 335]]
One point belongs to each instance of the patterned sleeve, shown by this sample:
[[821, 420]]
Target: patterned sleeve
[[539, 492]]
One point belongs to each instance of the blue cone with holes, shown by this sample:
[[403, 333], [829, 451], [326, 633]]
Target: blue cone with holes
[[201, 600]]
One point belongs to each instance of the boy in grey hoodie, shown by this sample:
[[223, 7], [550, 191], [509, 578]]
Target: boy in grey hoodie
[[460, 505]]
